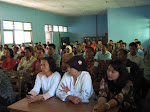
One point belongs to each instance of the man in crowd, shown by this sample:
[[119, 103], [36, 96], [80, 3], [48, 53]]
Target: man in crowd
[[103, 54], [26, 61], [52, 53]]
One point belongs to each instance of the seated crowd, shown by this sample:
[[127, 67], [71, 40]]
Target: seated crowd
[[72, 74]]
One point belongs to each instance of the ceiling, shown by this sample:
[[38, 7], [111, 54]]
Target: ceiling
[[77, 7]]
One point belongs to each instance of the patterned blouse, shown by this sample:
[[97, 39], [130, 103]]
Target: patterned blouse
[[124, 98], [26, 64]]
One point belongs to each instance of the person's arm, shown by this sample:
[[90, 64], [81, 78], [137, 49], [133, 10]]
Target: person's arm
[[96, 56], [35, 91], [118, 99], [109, 55], [86, 87], [20, 64], [53, 87], [3, 64], [59, 93], [102, 97]]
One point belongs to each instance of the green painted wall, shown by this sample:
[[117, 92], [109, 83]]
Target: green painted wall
[[36, 17]]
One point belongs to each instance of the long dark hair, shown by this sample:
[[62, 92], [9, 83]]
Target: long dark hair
[[11, 52], [51, 63], [116, 87]]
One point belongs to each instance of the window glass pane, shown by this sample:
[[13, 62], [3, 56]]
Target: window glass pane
[[7, 24], [65, 29], [61, 28], [55, 28], [46, 28], [50, 28], [18, 25], [19, 37], [27, 26], [27, 37], [8, 37], [49, 36]]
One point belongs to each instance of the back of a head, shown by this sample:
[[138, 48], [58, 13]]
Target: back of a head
[[52, 45]]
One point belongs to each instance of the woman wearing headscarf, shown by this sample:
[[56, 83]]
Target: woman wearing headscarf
[[69, 54]]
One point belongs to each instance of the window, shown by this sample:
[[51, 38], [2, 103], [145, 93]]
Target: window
[[55, 28], [65, 29], [61, 29], [49, 33], [17, 32]]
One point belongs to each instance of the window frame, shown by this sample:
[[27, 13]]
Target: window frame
[[13, 31]]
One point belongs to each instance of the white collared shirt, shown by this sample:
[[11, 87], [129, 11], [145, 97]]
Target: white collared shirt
[[48, 84], [136, 59], [100, 56], [83, 87]]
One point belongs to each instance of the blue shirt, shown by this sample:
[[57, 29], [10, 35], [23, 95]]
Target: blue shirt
[[141, 53], [100, 56]]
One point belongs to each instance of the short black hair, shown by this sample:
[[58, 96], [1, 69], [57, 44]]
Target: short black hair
[[63, 47], [105, 45], [6, 45], [29, 48], [52, 45], [133, 44], [138, 42], [41, 50], [11, 52], [124, 43], [120, 41], [125, 52], [16, 48], [23, 52], [51, 62], [44, 45]]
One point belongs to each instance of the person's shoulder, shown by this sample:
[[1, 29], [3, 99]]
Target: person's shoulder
[[139, 56], [5, 60], [40, 75], [85, 73], [13, 59], [33, 58], [23, 58], [107, 52], [99, 52], [66, 75], [131, 63], [57, 74]]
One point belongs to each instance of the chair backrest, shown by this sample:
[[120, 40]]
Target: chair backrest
[[15, 80]]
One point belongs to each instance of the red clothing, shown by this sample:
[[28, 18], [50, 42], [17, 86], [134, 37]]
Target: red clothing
[[36, 65], [94, 46], [8, 64], [88, 45]]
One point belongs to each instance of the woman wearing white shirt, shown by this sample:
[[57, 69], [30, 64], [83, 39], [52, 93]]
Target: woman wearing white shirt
[[76, 84], [48, 80]]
